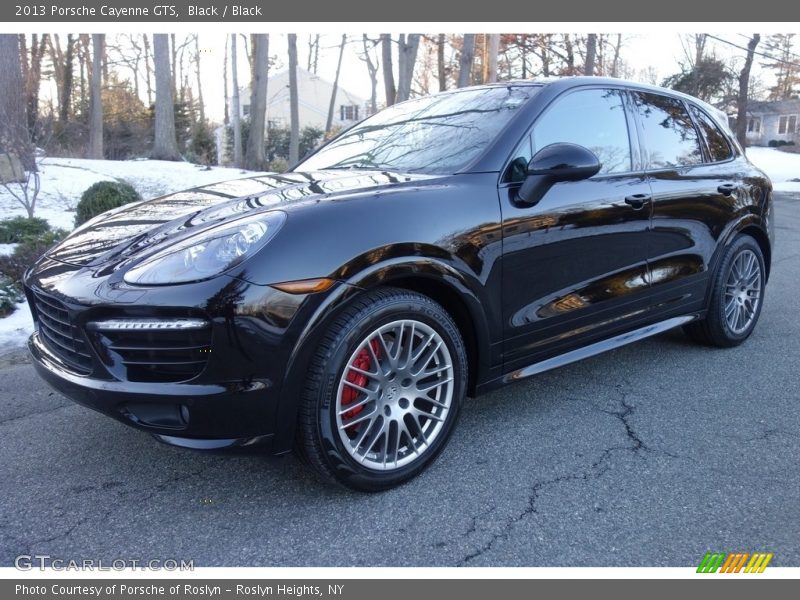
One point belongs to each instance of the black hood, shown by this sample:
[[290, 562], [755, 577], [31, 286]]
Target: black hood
[[128, 230]]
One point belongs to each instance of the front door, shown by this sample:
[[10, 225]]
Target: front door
[[575, 264]]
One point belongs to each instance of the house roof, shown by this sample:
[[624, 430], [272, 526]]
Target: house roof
[[777, 107]]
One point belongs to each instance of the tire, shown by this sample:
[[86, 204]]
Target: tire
[[383, 391], [736, 299]]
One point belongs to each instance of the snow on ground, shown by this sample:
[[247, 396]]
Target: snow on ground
[[15, 328], [63, 180], [782, 167]]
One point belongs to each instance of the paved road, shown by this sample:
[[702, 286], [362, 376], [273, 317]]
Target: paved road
[[649, 455]]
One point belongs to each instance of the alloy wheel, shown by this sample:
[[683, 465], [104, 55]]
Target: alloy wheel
[[394, 395]]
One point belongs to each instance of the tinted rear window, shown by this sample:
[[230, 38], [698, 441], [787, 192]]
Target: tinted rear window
[[718, 147], [669, 134]]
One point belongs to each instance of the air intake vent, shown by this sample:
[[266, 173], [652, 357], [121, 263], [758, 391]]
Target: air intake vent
[[58, 333]]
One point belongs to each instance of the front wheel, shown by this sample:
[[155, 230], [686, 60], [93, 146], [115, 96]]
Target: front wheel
[[383, 391], [736, 297]]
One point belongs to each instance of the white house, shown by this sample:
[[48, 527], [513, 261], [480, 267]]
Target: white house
[[773, 121], [313, 99]]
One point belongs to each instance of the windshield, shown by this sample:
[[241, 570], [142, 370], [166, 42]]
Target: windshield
[[435, 134]]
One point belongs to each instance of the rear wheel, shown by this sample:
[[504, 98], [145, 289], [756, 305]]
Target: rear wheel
[[736, 297], [383, 391]]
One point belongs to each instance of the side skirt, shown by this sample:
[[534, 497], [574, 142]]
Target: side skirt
[[587, 351]]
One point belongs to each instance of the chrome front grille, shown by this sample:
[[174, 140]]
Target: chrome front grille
[[59, 334]]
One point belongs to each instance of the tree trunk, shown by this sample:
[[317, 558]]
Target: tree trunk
[[227, 116], [405, 65], [313, 52], [493, 50], [591, 51], [440, 44], [372, 69], [744, 84], [201, 105], [388, 71], [96, 99], [615, 63], [332, 105], [254, 157], [147, 70], [236, 122], [66, 82], [13, 134], [465, 60], [165, 144], [294, 133]]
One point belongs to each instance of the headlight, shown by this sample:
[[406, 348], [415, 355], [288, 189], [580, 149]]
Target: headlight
[[208, 254]]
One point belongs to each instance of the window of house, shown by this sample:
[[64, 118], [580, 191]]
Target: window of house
[[718, 147], [669, 134], [594, 119], [245, 109], [348, 112], [787, 124], [754, 125]]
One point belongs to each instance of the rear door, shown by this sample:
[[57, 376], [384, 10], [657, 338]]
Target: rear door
[[692, 170], [575, 264]]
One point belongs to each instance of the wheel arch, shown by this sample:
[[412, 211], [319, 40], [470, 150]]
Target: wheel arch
[[436, 280]]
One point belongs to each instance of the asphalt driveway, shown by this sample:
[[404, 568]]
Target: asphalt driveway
[[650, 455]]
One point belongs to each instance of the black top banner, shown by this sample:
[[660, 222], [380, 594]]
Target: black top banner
[[145, 11]]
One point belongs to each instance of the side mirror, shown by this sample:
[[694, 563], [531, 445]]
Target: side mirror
[[553, 164]]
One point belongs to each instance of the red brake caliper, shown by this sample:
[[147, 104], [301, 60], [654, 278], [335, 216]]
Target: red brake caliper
[[362, 361]]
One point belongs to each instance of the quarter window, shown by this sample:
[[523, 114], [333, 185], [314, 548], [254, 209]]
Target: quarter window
[[592, 118], [669, 135], [718, 147]]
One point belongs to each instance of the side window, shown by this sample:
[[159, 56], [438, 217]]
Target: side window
[[518, 167], [592, 118], [718, 146], [669, 135]]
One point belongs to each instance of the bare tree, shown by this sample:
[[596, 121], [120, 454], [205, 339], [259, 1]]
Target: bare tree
[[440, 66], [236, 122], [19, 175], [407, 59], [294, 132], [313, 52], [742, 98], [466, 59], [165, 143], [226, 118], [388, 70], [254, 157], [96, 99], [32, 76], [493, 49], [148, 71], [200, 103], [372, 70], [332, 104], [591, 53]]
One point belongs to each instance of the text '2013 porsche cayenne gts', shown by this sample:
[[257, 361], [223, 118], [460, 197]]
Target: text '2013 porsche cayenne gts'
[[440, 248]]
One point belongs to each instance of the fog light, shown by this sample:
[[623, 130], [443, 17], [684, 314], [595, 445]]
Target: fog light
[[148, 324]]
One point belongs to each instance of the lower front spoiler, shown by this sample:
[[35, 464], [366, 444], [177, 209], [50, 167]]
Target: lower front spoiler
[[200, 416]]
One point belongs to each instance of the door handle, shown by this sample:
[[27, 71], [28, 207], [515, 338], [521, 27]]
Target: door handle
[[726, 189], [637, 200]]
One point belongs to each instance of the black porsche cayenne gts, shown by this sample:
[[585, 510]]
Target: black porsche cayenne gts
[[442, 247]]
